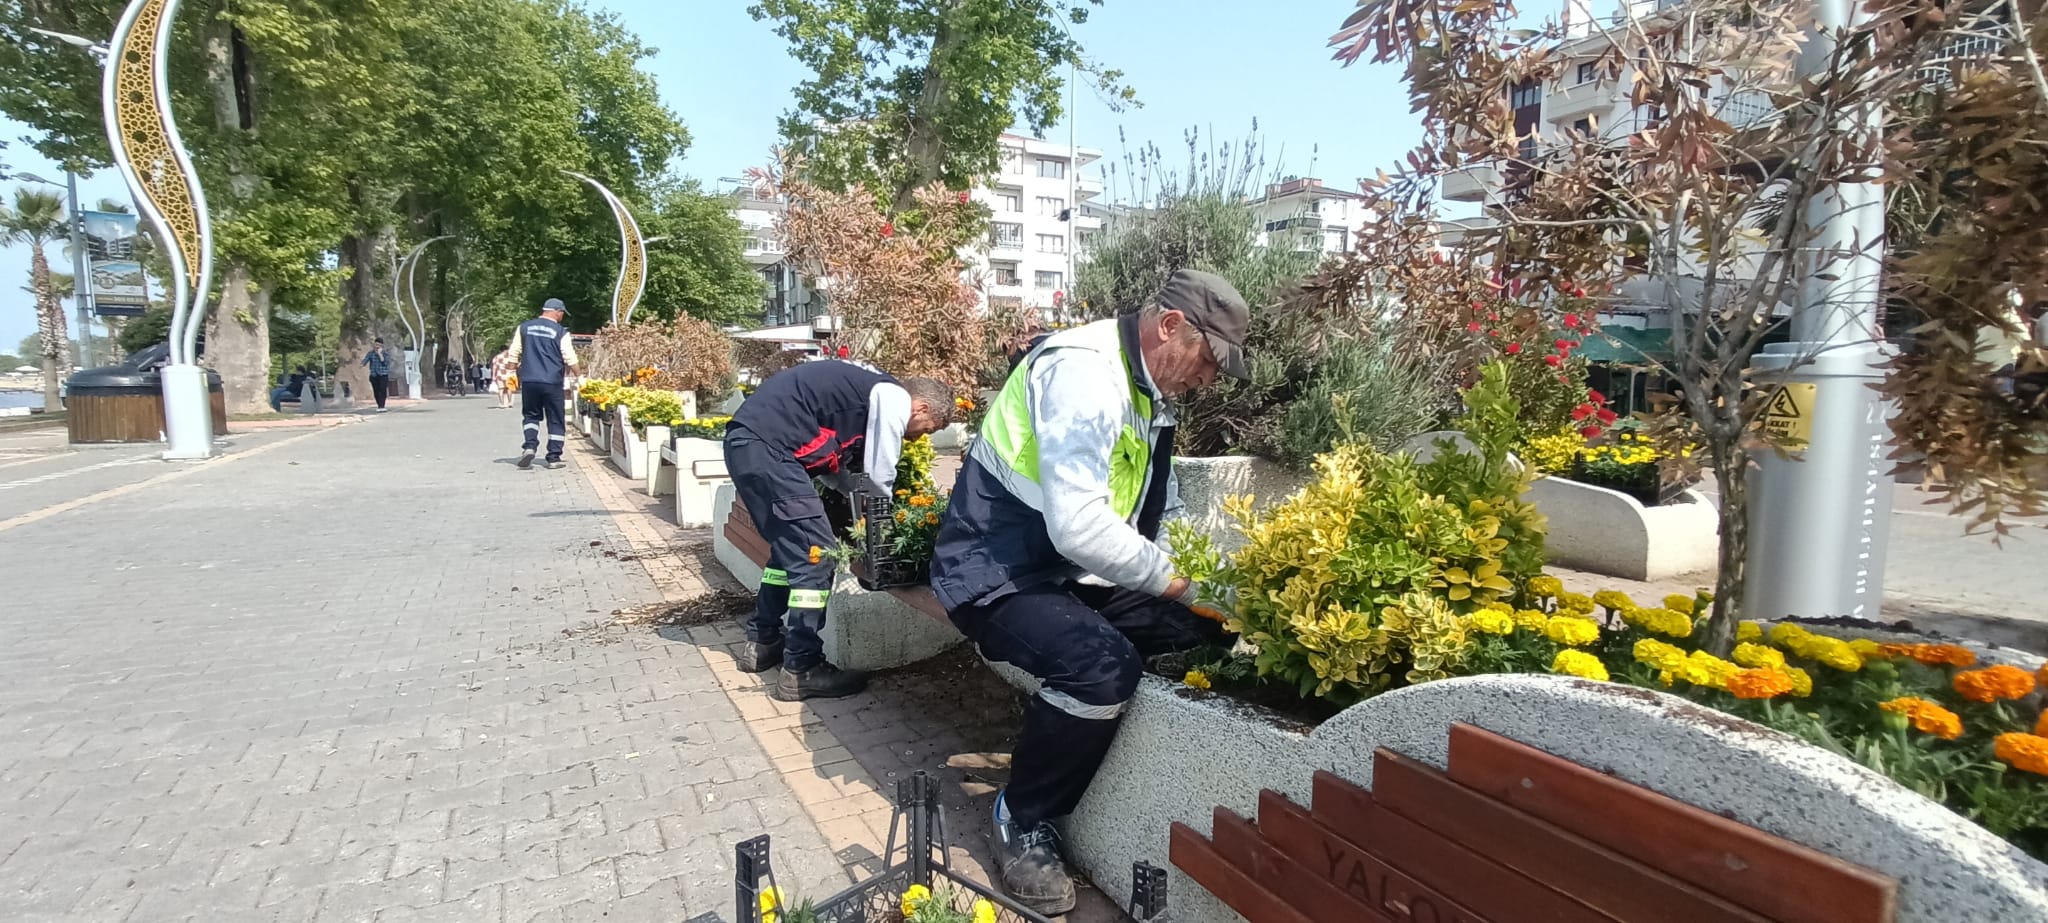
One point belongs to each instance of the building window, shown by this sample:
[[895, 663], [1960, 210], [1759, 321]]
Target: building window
[[1334, 240], [1051, 206], [1052, 243], [1013, 161], [1052, 169], [1043, 279], [1005, 273], [1525, 94], [1583, 126], [1008, 235], [1588, 72], [1010, 201]]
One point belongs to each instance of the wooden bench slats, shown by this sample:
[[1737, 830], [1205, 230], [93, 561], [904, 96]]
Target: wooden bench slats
[[1496, 893], [1192, 854], [1318, 895], [1370, 877], [1777, 878], [1627, 890]]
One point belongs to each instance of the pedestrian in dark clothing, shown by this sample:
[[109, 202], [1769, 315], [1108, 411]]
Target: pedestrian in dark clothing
[[544, 357], [379, 362], [829, 420]]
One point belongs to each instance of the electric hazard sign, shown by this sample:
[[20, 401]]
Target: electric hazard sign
[[1788, 418]]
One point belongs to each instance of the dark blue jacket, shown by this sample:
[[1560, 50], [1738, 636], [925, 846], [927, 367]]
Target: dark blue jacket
[[542, 346], [816, 412]]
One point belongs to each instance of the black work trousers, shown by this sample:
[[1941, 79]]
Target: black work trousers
[[790, 516], [380, 388], [542, 400], [1087, 645]]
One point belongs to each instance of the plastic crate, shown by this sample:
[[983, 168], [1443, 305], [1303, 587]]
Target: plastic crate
[[919, 825], [882, 570]]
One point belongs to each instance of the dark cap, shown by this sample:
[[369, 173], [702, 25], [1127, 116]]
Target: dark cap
[[1215, 308], [554, 304]]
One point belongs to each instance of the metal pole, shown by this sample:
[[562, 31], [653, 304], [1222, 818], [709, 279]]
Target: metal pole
[[81, 284], [1073, 185], [1819, 519]]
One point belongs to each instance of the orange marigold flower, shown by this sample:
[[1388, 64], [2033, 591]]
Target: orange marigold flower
[[2026, 752], [931, 519], [817, 554], [1926, 717], [2041, 677], [2041, 725], [1765, 683], [1896, 651], [920, 500], [1935, 655], [1994, 683]]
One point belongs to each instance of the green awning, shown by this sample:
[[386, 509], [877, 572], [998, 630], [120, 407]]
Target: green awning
[[1628, 345]]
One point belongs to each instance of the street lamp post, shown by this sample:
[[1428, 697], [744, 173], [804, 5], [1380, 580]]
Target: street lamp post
[[81, 284]]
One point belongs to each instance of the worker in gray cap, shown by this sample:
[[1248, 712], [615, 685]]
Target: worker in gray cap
[[544, 358], [1048, 556]]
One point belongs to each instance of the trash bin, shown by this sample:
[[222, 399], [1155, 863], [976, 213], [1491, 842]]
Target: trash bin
[[118, 403]]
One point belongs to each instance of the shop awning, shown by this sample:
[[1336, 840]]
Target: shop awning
[[1628, 345]]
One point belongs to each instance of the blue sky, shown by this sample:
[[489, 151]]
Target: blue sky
[[1207, 64]]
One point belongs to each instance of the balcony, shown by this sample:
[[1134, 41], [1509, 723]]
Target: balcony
[[1573, 101], [1472, 183], [1087, 188]]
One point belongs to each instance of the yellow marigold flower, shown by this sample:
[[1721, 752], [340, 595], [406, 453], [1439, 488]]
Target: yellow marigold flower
[[2026, 752], [921, 500], [1613, 599], [1994, 683], [1579, 664], [1681, 603], [817, 554], [1757, 656], [1662, 656], [1197, 679], [931, 519], [1492, 622], [1868, 649], [901, 494], [1668, 622], [1704, 669], [984, 912], [1575, 602], [1571, 631], [1788, 636], [1545, 587], [771, 904], [914, 897], [1748, 631], [902, 515], [1531, 620], [1926, 717], [1802, 681], [1763, 683], [1830, 652], [1498, 606]]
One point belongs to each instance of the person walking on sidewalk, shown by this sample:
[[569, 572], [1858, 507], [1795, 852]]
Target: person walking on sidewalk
[[379, 362], [833, 420], [542, 356], [1047, 556]]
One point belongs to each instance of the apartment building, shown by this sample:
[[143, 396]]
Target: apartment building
[[1045, 216], [789, 300], [1304, 214]]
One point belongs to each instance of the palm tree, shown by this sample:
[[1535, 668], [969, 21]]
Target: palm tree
[[36, 219]]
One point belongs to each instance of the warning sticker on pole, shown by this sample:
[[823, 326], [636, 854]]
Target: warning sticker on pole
[[1788, 418]]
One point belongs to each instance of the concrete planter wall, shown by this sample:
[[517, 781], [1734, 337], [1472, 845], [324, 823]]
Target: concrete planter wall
[[1609, 532], [695, 471], [864, 630], [628, 449], [1206, 482], [1182, 753]]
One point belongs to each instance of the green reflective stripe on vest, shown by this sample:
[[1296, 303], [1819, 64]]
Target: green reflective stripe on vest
[[775, 577], [808, 599], [1007, 428]]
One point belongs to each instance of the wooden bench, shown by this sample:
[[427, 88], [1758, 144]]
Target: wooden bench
[[740, 531], [1509, 834]]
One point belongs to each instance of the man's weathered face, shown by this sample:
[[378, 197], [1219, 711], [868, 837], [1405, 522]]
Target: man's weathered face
[[1178, 356], [923, 422]]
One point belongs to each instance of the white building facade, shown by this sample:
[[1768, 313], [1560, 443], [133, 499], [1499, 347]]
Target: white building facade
[[789, 299], [1303, 214], [1045, 215]]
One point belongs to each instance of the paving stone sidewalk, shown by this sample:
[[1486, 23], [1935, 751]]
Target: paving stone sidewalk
[[365, 676]]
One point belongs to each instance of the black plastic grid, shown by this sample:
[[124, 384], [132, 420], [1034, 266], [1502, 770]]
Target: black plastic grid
[[884, 570]]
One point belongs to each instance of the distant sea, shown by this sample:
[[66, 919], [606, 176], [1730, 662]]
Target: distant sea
[[10, 400]]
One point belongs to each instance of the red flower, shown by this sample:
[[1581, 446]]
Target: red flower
[[1564, 345], [1473, 327], [1572, 321], [963, 197], [1493, 333], [1574, 345], [1437, 257], [1554, 361], [1608, 416], [1590, 432], [1595, 396], [1581, 412], [1578, 291], [1514, 349], [888, 229]]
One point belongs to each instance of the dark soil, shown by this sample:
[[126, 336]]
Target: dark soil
[[708, 609]]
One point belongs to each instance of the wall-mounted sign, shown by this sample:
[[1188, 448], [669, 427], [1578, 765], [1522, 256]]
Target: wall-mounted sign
[[119, 288]]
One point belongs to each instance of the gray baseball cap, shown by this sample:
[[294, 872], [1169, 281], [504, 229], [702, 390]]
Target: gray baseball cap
[[554, 304], [1213, 305]]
